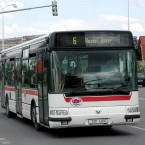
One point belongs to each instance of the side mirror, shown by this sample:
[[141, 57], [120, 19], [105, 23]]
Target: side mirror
[[138, 53]]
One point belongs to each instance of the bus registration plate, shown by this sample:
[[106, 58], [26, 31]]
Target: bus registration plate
[[98, 121]]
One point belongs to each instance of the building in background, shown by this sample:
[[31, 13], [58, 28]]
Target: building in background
[[18, 40], [141, 49]]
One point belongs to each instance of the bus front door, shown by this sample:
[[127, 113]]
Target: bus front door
[[18, 86], [3, 85], [1, 82], [42, 88]]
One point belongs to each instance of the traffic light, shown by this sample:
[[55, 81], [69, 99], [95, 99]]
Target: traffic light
[[54, 8]]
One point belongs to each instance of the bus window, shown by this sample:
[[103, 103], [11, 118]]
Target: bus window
[[11, 74], [26, 74], [33, 72], [6, 72]]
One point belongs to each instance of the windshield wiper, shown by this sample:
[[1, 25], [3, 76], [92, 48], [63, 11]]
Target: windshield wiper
[[75, 91], [117, 89], [112, 90], [82, 85], [84, 90], [93, 81]]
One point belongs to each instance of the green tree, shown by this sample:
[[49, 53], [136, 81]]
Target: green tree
[[140, 67]]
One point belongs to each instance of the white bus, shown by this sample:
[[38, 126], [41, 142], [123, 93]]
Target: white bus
[[72, 79]]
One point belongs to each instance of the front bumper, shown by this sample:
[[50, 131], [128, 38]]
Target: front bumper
[[79, 117], [60, 119], [132, 116]]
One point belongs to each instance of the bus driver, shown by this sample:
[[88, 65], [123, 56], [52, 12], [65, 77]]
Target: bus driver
[[109, 66]]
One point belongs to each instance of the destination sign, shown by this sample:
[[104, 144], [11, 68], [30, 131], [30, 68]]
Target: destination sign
[[93, 39]]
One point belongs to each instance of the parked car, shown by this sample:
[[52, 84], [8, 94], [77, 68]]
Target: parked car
[[141, 79]]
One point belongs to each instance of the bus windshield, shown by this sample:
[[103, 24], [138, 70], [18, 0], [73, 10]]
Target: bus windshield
[[92, 71]]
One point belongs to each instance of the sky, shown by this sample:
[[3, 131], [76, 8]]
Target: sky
[[73, 15]]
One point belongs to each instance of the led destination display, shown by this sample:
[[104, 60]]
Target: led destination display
[[93, 39]]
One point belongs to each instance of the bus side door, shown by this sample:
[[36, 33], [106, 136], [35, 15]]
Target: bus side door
[[42, 88], [3, 84], [18, 86]]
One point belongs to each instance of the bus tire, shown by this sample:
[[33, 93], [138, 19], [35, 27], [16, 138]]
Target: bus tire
[[107, 127], [8, 112], [34, 118]]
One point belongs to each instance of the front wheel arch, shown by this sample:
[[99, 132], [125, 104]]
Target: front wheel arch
[[34, 116], [32, 104], [8, 112]]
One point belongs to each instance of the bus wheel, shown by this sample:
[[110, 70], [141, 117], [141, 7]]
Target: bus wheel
[[34, 118], [8, 112], [107, 127]]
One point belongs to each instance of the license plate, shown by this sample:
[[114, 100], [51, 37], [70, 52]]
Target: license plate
[[98, 121]]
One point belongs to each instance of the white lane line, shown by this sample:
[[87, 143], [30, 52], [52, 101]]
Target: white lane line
[[143, 99], [138, 128], [4, 141]]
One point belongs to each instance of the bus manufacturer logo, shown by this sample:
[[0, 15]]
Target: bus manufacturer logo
[[76, 102], [98, 111]]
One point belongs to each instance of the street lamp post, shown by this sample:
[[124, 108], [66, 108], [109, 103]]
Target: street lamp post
[[2, 8], [128, 17], [54, 12]]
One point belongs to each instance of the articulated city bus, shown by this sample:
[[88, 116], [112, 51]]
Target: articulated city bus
[[72, 79]]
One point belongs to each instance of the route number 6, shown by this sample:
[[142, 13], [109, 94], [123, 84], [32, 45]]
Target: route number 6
[[74, 41]]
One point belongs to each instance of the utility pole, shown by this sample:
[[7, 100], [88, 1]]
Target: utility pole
[[54, 13], [128, 17]]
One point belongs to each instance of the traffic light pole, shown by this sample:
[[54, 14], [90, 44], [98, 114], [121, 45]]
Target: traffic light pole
[[25, 9]]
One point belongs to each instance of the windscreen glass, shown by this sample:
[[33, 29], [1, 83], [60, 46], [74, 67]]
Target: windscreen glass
[[91, 71]]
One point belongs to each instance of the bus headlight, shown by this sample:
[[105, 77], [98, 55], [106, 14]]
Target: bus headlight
[[58, 112], [133, 110]]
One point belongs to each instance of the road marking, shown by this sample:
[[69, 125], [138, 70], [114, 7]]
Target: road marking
[[138, 128], [143, 99], [4, 141]]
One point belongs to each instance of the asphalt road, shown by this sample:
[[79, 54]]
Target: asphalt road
[[15, 131]]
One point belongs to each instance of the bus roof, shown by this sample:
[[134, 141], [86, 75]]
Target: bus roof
[[25, 44], [44, 37]]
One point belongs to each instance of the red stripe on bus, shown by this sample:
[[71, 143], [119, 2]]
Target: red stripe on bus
[[9, 89], [30, 92], [102, 98]]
